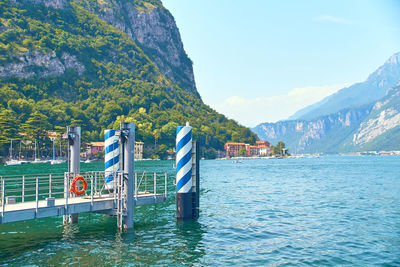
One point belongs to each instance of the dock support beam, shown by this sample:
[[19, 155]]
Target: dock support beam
[[128, 170], [74, 138], [184, 196], [195, 180]]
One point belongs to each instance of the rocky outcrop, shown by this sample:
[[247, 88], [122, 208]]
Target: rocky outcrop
[[153, 28], [40, 64], [371, 127], [57, 4], [147, 23], [320, 135], [384, 117]]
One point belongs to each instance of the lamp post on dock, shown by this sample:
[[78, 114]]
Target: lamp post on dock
[[74, 140], [128, 170]]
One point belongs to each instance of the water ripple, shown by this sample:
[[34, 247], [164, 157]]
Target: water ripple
[[305, 212]]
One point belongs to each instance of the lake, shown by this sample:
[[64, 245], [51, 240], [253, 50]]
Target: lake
[[309, 211]]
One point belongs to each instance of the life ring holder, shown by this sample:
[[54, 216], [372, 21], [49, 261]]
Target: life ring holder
[[74, 188]]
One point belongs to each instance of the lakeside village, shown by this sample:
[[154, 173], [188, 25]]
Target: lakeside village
[[27, 151], [55, 151], [232, 150], [261, 149]]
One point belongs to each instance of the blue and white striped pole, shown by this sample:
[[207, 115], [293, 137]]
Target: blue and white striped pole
[[111, 157], [184, 172]]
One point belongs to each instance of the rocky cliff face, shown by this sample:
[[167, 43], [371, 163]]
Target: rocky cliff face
[[385, 116], [147, 23], [43, 65], [371, 127], [154, 29], [58, 4], [323, 134]]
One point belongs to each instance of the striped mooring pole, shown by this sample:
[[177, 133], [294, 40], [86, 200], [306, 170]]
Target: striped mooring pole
[[187, 192], [111, 158]]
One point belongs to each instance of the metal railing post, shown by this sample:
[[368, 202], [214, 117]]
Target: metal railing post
[[3, 196], [115, 182], [165, 181], [66, 193], [99, 187], [145, 184], [37, 195], [23, 188], [136, 190], [155, 184], [50, 186], [95, 182], [91, 191]]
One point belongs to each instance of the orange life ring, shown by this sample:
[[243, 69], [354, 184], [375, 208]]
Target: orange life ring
[[74, 189]]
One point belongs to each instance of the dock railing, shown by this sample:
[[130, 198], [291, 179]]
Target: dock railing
[[37, 187], [150, 183]]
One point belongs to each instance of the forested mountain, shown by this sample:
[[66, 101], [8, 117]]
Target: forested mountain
[[372, 89], [95, 63]]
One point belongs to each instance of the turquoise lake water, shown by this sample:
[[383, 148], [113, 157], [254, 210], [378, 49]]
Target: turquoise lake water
[[324, 211]]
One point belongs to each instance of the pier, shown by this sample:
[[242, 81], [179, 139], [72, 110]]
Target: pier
[[114, 191], [41, 196]]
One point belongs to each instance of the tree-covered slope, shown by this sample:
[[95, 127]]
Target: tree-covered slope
[[61, 64]]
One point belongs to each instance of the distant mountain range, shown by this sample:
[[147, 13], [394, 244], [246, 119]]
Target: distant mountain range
[[369, 91], [364, 116]]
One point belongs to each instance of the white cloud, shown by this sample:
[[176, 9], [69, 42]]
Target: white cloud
[[333, 19], [252, 111]]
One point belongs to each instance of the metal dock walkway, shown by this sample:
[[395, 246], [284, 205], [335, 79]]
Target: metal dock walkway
[[115, 191], [40, 196]]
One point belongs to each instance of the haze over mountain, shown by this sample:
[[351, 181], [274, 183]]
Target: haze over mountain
[[369, 91], [364, 116]]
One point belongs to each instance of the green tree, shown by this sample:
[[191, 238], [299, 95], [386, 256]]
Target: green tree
[[280, 149], [156, 135], [8, 127], [209, 153], [169, 130], [7, 92], [161, 151], [242, 152], [99, 154], [36, 126]]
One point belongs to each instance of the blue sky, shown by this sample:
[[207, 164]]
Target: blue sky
[[260, 61]]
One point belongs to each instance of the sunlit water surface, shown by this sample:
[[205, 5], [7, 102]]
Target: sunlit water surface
[[310, 211]]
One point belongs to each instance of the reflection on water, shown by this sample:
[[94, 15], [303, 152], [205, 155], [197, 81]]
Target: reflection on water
[[326, 211], [190, 234]]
